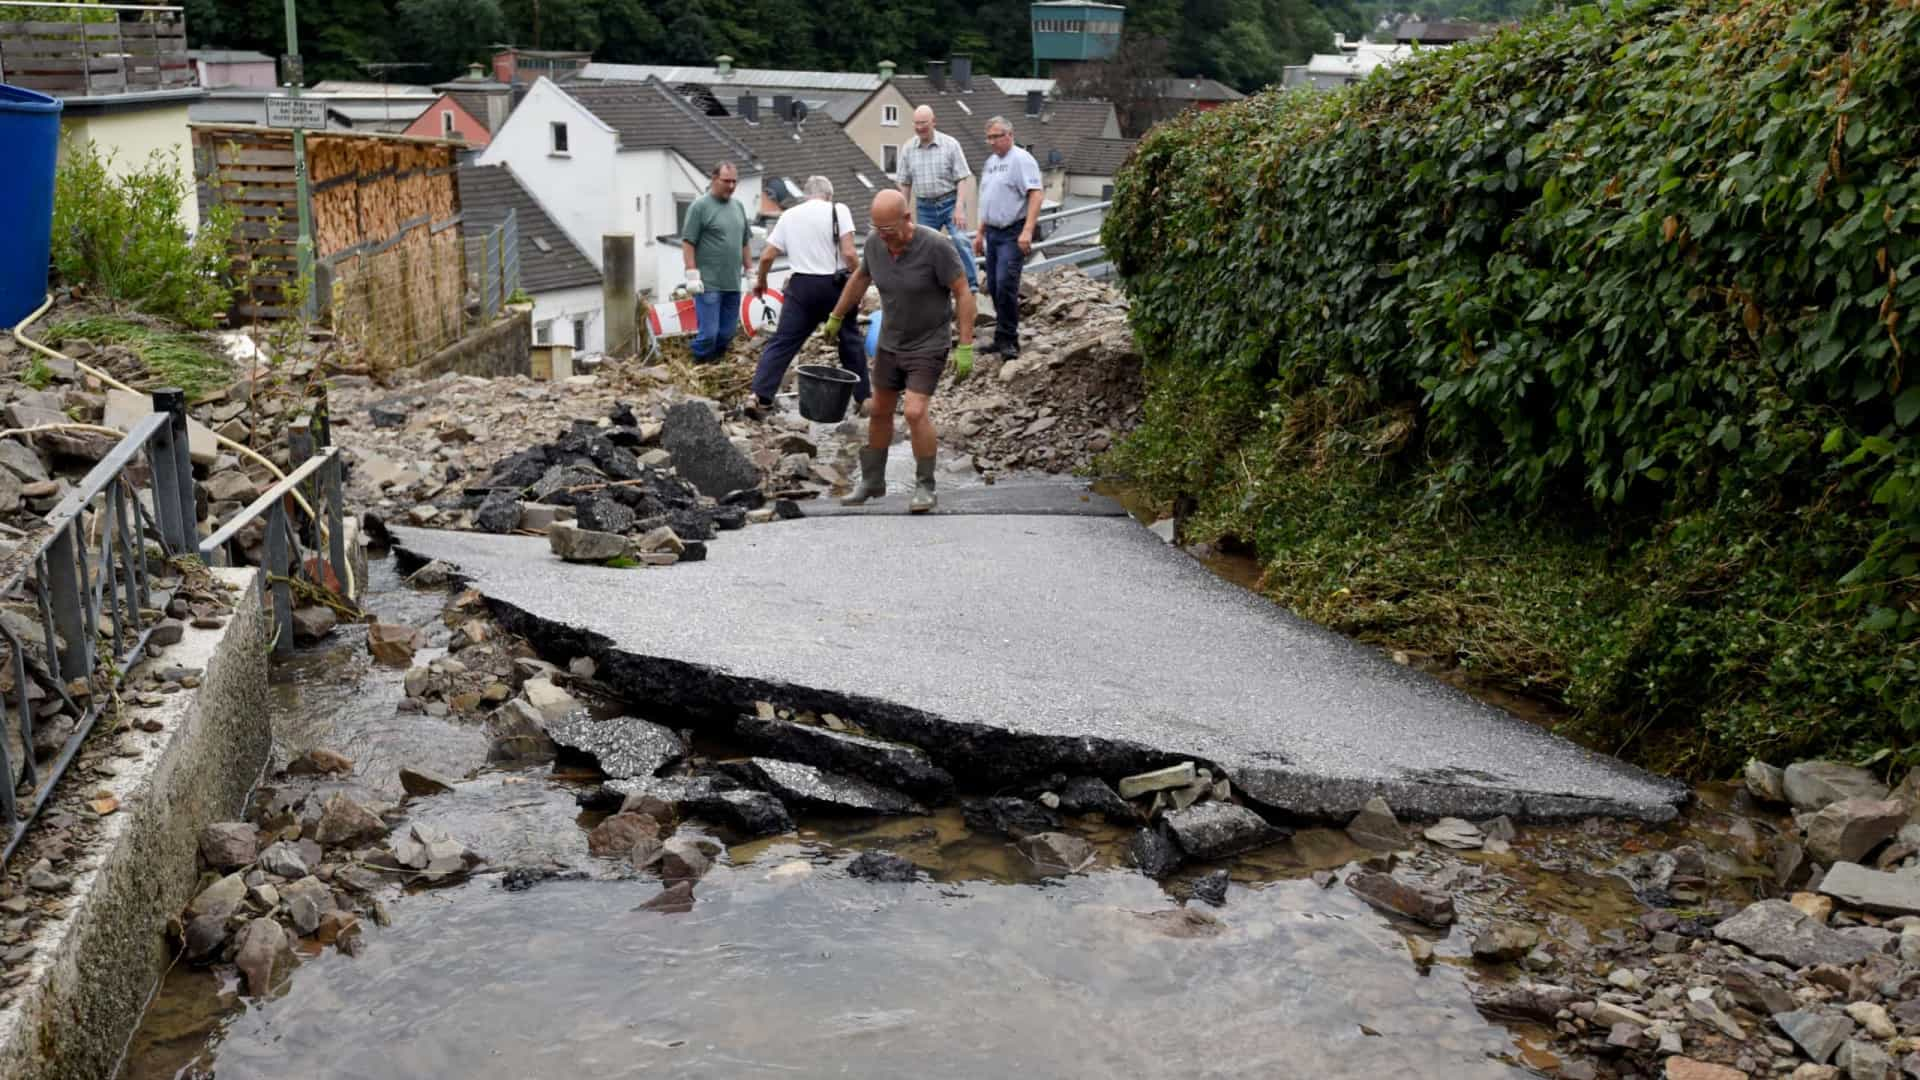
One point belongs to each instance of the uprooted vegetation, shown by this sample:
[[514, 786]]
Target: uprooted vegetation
[[1576, 358]]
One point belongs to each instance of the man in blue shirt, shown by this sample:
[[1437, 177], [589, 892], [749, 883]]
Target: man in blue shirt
[[1010, 194], [713, 245]]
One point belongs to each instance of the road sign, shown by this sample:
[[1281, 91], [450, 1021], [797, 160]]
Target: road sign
[[288, 112]]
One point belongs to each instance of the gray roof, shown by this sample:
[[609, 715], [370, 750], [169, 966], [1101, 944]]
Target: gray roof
[[229, 56], [549, 259], [837, 81], [650, 115], [821, 147], [1063, 124], [1101, 157], [475, 103], [1195, 89]]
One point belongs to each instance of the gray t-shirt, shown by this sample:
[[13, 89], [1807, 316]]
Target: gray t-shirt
[[916, 291]]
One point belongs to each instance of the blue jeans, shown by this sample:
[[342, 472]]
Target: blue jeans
[[719, 315], [809, 300], [938, 214], [1003, 284]]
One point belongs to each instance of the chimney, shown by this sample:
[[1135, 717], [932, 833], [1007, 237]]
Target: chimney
[[750, 108], [1035, 100], [962, 72], [473, 72], [937, 75], [886, 70], [783, 107], [723, 66]]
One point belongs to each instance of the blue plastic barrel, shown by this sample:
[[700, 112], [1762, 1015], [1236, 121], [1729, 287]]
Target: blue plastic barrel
[[30, 132]]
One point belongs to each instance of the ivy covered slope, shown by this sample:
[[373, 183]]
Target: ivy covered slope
[[1584, 360]]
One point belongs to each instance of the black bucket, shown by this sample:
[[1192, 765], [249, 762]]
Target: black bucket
[[825, 391]]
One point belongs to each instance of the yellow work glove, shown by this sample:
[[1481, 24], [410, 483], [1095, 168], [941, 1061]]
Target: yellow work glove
[[962, 362], [833, 327]]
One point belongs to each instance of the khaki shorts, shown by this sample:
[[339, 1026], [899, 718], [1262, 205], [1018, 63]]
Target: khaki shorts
[[918, 372]]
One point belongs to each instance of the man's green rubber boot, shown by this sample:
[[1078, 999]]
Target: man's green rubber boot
[[873, 478], [923, 497]]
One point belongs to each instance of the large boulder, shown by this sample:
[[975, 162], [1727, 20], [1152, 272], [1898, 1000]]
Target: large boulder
[[585, 545], [1154, 853], [1215, 830], [1845, 831], [1776, 930], [1873, 890], [1390, 894], [229, 845], [702, 452], [264, 956], [499, 512], [1811, 785]]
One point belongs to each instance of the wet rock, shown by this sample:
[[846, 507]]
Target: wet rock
[[344, 821], [1813, 785], [1154, 853], [1874, 1018], [1504, 942], [1056, 852], [307, 900], [804, 787], [1765, 782], [434, 853], [891, 765], [433, 575], [1375, 827], [579, 545], [1536, 1002], [1702, 1007], [420, 783], [617, 835], [702, 453], [681, 859], [675, 899], [1873, 890], [882, 866], [1010, 816], [206, 936], [1390, 894], [284, 860], [221, 897], [320, 762], [392, 644], [313, 622], [1456, 833], [1091, 795], [622, 747], [228, 845], [1215, 830], [1846, 830], [1212, 889], [264, 955], [1686, 1068], [750, 813], [1817, 1031], [1776, 930], [1176, 776]]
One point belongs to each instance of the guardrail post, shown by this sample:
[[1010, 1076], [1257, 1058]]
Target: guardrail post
[[62, 588], [173, 401], [299, 452], [336, 478], [278, 569]]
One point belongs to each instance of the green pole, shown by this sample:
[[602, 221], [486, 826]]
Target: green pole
[[304, 247]]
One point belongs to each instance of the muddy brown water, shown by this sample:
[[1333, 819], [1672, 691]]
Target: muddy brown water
[[786, 966]]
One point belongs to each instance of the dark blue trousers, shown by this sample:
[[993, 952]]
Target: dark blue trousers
[[809, 300], [1003, 283]]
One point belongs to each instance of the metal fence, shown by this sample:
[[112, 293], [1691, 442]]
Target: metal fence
[[92, 588], [493, 265], [1081, 248]]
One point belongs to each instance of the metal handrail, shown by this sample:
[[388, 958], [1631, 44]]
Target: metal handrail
[[75, 588], [1062, 215], [285, 529], [1095, 252]]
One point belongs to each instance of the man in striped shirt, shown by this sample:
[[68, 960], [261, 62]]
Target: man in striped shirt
[[932, 173]]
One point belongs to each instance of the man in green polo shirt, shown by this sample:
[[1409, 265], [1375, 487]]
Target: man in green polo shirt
[[713, 244]]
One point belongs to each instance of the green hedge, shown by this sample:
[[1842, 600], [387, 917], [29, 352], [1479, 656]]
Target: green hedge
[[1641, 275]]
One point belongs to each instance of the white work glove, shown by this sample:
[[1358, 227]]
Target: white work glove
[[694, 285]]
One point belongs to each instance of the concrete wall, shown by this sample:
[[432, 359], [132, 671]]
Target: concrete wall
[[132, 134], [253, 74], [95, 963], [501, 349], [867, 130], [562, 306]]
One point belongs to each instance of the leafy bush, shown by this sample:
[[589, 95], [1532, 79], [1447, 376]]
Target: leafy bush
[[122, 235], [1633, 279]]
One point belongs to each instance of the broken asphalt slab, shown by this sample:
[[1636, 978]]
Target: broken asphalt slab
[[1015, 645]]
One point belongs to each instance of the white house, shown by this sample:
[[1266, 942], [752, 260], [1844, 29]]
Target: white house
[[568, 303], [621, 158]]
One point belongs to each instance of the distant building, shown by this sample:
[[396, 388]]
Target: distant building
[[1350, 62], [351, 105], [220, 68], [565, 284], [446, 118], [513, 65], [1439, 32]]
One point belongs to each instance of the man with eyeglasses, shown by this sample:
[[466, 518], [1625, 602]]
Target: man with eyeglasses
[[713, 248], [933, 171], [921, 284], [1010, 194]]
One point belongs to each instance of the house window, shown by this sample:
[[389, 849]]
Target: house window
[[890, 116], [543, 332], [1106, 192], [580, 333], [446, 122], [681, 204], [890, 159], [559, 138]]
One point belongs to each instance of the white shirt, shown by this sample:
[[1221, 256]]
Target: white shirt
[[805, 233]]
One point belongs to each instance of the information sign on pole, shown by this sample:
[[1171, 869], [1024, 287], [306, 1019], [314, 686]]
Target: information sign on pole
[[288, 112]]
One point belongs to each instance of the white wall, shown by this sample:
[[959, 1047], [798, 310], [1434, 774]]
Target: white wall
[[665, 176], [562, 306], [577, 189]]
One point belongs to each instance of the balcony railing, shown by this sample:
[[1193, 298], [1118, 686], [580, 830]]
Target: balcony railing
[[94, 50]]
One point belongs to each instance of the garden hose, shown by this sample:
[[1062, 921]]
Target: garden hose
[[19, 335]]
